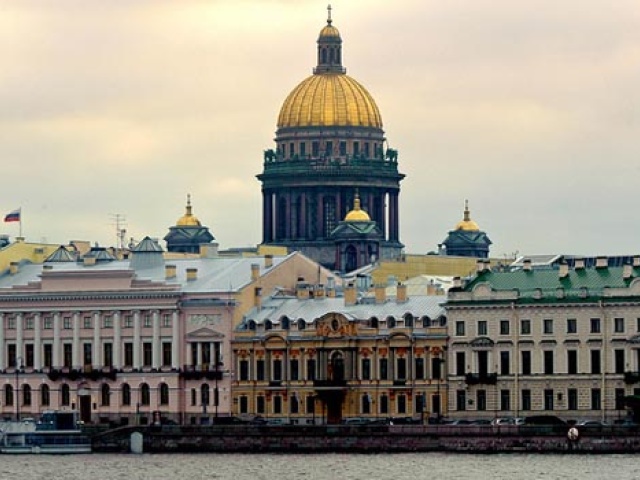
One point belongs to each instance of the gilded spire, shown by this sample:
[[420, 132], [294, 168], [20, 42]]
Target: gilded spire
[[329, 48], [357, 214], [467, 223], [188, 219], [467, 216], [329, 14]]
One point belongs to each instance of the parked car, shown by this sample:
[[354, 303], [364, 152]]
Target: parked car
[[500, 421], [591, 423], [356, 421], [481, 421], [544, 420]]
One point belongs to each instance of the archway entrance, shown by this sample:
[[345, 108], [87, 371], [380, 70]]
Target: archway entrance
[[84, 405]]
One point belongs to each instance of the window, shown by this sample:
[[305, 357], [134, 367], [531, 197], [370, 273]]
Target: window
[[11, 354], [482, 327], [481, 400], [436, 368], [26, 395], [366, 369], [294, 369], [459, 328], [48, 323], [618, 325], [128, 354], [595, 361], [294, 405], [277, 370], [572, 403], [548, 399], [619, 398], [310, 404], [421, 405], [260, 370], [547, 326], [595, 325], [87, 354], [526, 362], [67, 355], [147, 354], [419, 369], [45, 395], [526, 399], [303, 149], [618, 357], [166, 321], [504, 363], [461, 400], [260, 404], [128, 322], [66, 323], [572, 325], [28, 323], [548, 362], [126, 395], [596, 399], [204, 394], [277, 404], [107, 354], [86, 322], [384, 404], [65, 395], [505, 400], [384, 369], [311, 369], [11, 323], [147, 321], [572, 362], [402, 404], [638, 325], [244, 370], [366, 404], [401, 369], [525, 327], [105, 395], [244, 404], [167, 356], [460, 363], [28, 354], [47, 355], [8, 395], [145, 395], [107, 321], [504, 327]]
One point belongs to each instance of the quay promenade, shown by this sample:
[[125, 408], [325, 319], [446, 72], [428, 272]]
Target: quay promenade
[[368, 439]]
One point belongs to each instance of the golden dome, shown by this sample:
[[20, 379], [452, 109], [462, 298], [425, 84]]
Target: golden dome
[[467, 224], [188, 219], [329, 32], [329, 99], [357, 215]]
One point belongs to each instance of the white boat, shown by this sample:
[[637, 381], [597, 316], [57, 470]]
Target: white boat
[[56, 432]]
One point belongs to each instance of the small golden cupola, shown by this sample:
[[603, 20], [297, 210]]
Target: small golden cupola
[[188, 219], [467, 224], [357, 214]]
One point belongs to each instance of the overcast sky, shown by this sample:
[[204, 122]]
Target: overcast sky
[[530, 109]]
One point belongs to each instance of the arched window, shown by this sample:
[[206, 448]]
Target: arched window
[[284, 323], [391, 322], [8, 395], [45, 395], [301, 324], [204, 394], [373, 322], [294, 404], [26, 395], [268, 325], [164, 394], [65, 395], [408, 320], [443, 321], [126, 394], [105, 395], [145, 395], [351, 258], [426, 322], [252, 325]]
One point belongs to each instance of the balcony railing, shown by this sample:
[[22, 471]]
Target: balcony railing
[[631, 377], [333, 383], [86, 373], [481, 378], [199, 372]]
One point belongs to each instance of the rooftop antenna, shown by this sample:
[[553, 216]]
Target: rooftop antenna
[[118, 220]]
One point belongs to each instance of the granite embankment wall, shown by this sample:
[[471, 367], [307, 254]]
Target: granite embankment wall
[[365, 439]]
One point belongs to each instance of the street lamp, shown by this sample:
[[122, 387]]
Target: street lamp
[[18, 368]]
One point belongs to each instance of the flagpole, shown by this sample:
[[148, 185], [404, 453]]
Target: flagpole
[[20, 226]]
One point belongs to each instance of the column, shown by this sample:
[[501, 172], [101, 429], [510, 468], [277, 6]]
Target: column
[[155, 350], [199, 354], [302, 234], [97, 350], [319, 215], [137, 364], [393, 217], [267, 217], [287, 220], [56, 340], [189, 354], [117, 334], [2, 361], [175, 341], [19, 338], [37, 342], [75, 349]]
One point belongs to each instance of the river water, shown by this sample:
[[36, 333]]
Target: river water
[[412, 466]]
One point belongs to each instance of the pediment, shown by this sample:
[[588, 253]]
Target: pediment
[[204, 333]]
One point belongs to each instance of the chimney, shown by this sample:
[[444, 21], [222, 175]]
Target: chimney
[[350, 295], [302, 290], [255, 272], [479, 265], [88, 261], [268, 261], [381, 294], [487, 265], [401, 293], [627, 271], [169, 271], [602, 262], [432, 288], [457, 282], [636, 261], [579, 265], [318, 291], [526, 265], [192, 274], [13, 268], [258, 297], [563, 271], [208, 250]]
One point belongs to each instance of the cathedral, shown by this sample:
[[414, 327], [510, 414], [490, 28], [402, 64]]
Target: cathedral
[[331, 158]]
